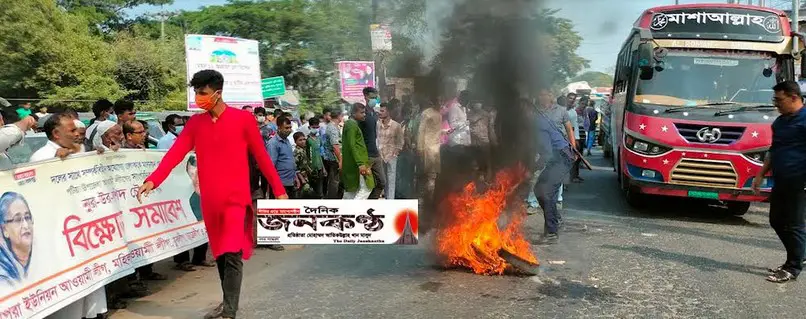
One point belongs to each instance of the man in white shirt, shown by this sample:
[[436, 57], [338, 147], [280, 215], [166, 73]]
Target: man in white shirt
[[390, 143], [173, 125], [459, 133], [109, 137], [82, 131], [12, 134], [62, 134]]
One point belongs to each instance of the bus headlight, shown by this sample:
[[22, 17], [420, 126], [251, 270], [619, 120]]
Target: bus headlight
[[644, 147], [757, 157]]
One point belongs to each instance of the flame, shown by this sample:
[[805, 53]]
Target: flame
[[471, 238]]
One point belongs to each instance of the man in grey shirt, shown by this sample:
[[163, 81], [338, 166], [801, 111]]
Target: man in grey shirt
[[562, 122], [559, 116]]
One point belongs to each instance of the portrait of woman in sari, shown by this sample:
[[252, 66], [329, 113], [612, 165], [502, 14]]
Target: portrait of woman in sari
[[16, 228]]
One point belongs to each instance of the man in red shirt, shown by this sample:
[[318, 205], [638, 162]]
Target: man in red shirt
[[223, 139]]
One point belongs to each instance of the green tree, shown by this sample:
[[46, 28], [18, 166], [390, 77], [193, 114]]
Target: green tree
[[594, 78], [152, 71], [48, 54], [106, 15], [300, 40]]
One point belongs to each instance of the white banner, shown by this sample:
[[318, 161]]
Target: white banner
[[237, 59], [70, 227], [380, 37], [339, 222]]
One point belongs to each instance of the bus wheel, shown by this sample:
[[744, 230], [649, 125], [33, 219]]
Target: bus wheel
[[738, 208], [634, 198]]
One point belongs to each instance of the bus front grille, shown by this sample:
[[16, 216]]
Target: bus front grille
[[704, 173], [727, 134]]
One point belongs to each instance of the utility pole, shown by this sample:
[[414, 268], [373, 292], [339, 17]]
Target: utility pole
[[380, 67], [795, 25], [795, 22], [163, 16]]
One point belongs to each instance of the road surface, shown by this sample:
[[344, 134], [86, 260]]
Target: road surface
[[676, 259]]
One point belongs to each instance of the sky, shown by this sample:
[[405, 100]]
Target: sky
[[603, 24]]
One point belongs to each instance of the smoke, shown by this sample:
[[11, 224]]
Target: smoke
[[608, 27], [436, 12], [499, 49]]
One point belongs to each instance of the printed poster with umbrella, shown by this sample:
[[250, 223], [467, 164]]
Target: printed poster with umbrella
[[237, 59]]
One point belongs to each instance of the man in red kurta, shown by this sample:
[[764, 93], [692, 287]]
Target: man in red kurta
[[223, 138]]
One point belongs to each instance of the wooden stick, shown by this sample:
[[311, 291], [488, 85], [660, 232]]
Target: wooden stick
[[584, 161]]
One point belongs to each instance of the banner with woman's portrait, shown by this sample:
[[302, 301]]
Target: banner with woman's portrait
[[69, 227]]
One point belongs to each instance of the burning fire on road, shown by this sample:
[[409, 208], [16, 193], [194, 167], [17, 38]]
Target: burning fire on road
[[471, 236]]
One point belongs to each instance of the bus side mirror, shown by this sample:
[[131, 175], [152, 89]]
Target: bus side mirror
[[646, 61], [647, 73]]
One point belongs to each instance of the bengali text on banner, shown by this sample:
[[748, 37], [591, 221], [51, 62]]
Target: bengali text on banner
[[70, 227], [310, 222]]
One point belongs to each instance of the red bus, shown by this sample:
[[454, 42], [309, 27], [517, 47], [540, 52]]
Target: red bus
[[691, 107]]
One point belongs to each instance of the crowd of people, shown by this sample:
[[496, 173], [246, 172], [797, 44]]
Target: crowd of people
[[368, 150]]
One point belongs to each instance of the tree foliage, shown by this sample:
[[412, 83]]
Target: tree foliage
[[74, 51], [107, 15], [300, 40], [151, 71], [47, 54]]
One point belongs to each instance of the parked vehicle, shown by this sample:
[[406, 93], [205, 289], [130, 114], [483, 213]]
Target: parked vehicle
[[692, 107]]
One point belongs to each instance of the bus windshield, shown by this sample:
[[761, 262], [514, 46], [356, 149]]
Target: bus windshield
[[696, 78]]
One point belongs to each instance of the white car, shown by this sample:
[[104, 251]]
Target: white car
[[21, 153]]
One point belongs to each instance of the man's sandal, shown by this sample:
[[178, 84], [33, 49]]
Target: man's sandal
[[781, 276]]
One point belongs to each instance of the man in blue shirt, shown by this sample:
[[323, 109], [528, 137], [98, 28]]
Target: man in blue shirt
[[555, 158], [787, 160], [173, 125], [282, 154]]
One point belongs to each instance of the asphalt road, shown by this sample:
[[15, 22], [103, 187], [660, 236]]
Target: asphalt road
[[675, 259]]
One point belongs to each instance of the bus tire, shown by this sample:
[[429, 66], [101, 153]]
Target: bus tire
[[634, 198], [737, 208]]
